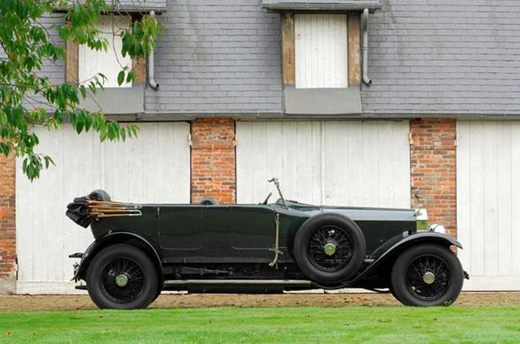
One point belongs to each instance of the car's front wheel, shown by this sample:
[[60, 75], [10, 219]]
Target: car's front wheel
[[122, 277], [427, 275]]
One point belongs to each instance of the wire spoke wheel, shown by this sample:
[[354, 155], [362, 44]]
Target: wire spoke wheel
[[329, 248], [428, 278], [122, 280]]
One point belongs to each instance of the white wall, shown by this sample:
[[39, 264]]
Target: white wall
[[336, 163], [488, 203], [153, 168]]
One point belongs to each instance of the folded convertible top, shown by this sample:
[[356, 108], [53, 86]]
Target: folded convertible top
[[96, 205]]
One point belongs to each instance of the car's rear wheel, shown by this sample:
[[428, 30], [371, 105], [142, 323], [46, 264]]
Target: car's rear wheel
[[122, 277], [329, 248], [427, 275]]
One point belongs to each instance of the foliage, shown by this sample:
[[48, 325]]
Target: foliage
[[28, 97], [268, 325]]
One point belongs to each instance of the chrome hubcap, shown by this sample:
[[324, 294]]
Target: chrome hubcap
[[121, 280], [429, 277], [329, 249]]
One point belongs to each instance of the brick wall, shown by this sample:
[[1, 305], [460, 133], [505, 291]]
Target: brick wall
[[213, 160], [7, 225], [434, 170]]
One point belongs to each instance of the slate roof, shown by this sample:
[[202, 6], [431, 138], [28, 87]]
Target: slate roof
[[445, 57], [218, 56], [426, 57]]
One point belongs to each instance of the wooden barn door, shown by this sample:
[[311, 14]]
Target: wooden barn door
[[334, 163], [488, 203]]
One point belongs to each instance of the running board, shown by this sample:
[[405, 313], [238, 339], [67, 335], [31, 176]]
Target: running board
[[237, 282]]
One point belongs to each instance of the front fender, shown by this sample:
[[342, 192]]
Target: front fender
[[439, 238], [116, 238], [397, 247]]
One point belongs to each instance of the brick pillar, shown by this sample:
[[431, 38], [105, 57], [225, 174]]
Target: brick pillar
[[434, 170], [213, 160], [7, 225]]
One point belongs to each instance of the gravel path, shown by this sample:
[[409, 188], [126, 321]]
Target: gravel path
[[28, 303]]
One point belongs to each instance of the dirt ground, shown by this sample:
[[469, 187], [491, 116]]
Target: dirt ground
[[27, 303]]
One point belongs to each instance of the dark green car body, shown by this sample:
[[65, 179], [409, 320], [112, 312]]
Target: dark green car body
[[246, 233], [226, 243]]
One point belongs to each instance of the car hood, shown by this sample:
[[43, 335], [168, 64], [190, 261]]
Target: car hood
[[360, 213]]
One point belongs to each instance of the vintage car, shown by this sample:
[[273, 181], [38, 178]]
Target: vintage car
[[142, 249]]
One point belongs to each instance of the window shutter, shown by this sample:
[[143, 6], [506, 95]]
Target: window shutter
[[110, 62], [321, 50]]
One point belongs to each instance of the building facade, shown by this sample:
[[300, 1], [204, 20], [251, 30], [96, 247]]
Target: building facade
[[407, 104]]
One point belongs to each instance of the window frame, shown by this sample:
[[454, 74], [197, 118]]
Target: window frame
[[353, 46]]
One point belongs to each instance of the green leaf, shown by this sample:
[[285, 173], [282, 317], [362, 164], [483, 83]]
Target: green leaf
[[22, 76], [121, 77], [83, 91], [130, 77]]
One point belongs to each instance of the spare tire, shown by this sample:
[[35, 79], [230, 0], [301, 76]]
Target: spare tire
[[99, 195], [208, 201], [329, 248]]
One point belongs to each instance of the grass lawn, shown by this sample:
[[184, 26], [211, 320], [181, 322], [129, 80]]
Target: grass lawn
[[499, 324]]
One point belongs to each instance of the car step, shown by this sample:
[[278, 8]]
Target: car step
[[243, 282], [285, 282]]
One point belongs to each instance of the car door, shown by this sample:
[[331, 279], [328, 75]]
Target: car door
[[181, 232], [196, 233], [217, 222], [253, 232]]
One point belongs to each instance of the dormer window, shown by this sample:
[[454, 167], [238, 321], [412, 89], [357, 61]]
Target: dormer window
[[110, 62], [83, 63], [321, 54], [321, 63]]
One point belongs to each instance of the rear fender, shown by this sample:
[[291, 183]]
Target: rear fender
[[118, 238]]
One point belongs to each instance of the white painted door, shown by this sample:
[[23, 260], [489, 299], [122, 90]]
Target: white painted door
[[488, 203], [350, 163], [152, 168], [321, 50]]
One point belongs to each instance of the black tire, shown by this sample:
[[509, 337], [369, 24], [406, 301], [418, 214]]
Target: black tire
[[343, 263], [99, 195], [394, 294], [157, 294], [409, 284], [131, 262]]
